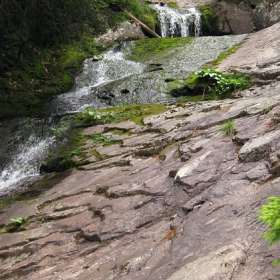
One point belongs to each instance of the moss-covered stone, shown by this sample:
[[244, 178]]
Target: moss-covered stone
[[209, 21], [190, 87], [57, 164], [146, 49], [172, 5], [26, 85]]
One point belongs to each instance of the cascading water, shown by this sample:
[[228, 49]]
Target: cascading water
[[111, 67], [28, 145], [34, 138], [178, 22], [114, 80]]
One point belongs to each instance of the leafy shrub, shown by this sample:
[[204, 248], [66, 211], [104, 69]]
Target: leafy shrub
[[14, 226], [223, 84], [270, 214]]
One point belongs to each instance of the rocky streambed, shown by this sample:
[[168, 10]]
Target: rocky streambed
[[177, 199]]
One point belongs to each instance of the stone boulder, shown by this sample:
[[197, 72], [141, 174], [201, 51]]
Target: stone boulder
[[234, 19], [266, 14], [126, 31]]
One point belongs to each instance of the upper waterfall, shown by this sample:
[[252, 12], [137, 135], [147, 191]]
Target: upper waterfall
[[178, 22]]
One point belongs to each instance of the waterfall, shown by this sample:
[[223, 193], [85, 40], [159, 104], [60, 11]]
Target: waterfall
[[178, 22], [28, 141], [28, 145], [113, 66]]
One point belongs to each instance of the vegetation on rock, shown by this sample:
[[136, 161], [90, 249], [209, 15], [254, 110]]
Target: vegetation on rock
[[270, 214], [209, 20], [172, 5], [15, 225], [144, 49], [72, 154], [134, 112], [213, 81], [43, 42], [228, 128]]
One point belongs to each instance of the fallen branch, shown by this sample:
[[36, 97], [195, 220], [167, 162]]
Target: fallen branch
[[144, 26]]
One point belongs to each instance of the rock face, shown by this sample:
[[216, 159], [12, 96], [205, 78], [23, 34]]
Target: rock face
[[177, 199], [266, 14], [264, 59], [239, 17], [234, 19], [126, 31]]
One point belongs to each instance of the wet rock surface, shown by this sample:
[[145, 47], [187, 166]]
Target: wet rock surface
[[176, 199]]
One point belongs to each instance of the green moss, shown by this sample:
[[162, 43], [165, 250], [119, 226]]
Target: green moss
[[150, 21], [11, 227], [58, 164], [146, 49], [98, 156], [118, 131], [8, 200], [172, 5], [209, 20], [223, 56], [174, 83], [190, 87], [136, 112], [185, 99], [25, 85], [34, 190]]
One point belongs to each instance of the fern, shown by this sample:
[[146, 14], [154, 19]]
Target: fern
[[270, 214]]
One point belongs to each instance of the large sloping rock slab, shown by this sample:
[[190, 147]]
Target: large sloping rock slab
[[173, 199]]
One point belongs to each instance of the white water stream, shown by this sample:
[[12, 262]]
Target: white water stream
[[28, 146], [29, 143], [114, 76], [178, 22], [111, 67], [25, 164]]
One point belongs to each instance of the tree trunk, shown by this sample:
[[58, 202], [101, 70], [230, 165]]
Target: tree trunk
[[144, 26]]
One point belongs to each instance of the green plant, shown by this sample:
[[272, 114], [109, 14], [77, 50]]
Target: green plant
[[270, 214], [18, 221], [91, 116], [134, 112], [99, 138], [222, 84], [228, 128]]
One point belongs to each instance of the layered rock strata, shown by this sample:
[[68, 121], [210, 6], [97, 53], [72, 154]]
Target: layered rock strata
[[174, 199]]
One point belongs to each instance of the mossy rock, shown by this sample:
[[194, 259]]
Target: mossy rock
[[144, 50], [209, 21], [190, 87], [172, 5], [57, 164]]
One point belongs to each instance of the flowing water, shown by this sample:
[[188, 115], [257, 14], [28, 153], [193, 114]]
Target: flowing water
[[113, 66], [178, 22], [30, 141], [114, 80]]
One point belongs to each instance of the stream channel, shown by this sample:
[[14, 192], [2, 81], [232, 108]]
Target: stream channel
[[114, 80]]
